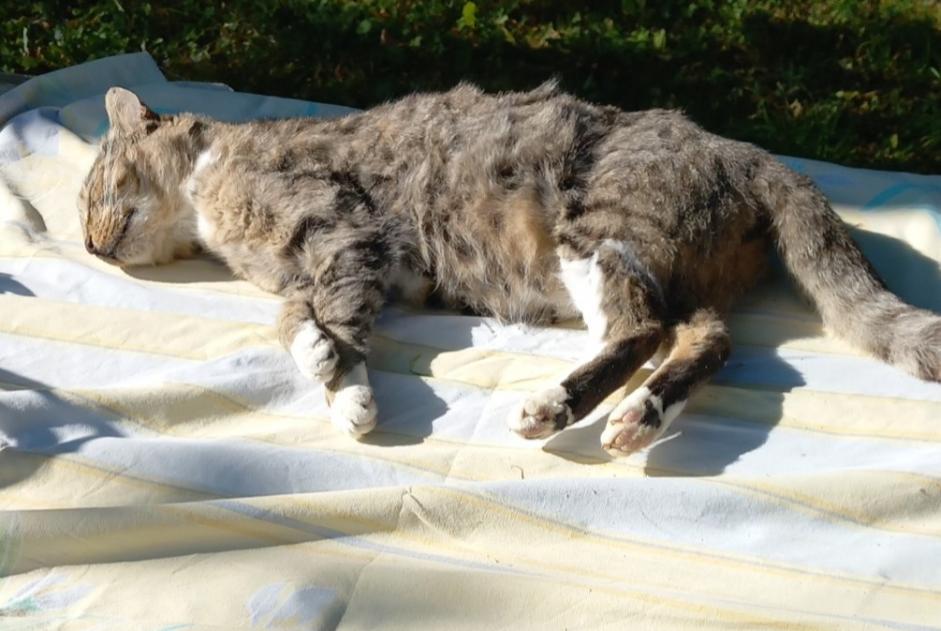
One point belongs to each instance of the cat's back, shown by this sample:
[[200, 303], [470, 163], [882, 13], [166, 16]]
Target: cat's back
[[469, 126], [438, 142]]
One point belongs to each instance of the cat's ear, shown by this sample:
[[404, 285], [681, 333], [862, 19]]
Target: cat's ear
[[126, 112]]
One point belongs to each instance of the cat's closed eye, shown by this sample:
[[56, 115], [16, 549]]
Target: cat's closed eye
[[128, 215]]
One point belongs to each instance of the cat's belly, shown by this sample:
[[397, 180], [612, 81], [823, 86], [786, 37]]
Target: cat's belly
[[497, 255], [530, 295], [544, 303]]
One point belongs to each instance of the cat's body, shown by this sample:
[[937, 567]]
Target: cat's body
[[528, 206], [473, 191]]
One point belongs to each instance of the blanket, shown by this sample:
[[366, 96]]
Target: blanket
[[164, 466]]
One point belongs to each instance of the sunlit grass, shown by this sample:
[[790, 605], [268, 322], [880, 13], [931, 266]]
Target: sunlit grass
[[842, 80]]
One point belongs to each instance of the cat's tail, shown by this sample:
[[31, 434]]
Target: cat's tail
[[855, 304]]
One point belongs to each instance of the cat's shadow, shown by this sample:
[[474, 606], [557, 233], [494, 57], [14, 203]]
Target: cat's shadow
[[200, 269], [914, 277], [408, 410]]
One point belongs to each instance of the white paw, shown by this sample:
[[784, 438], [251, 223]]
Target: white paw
[[313, 352], [637, 422], [353, 410], [542, 415]]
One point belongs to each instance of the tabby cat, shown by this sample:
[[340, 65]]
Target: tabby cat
[[527, 206]]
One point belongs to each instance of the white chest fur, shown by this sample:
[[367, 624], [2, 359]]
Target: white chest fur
[[204, 227]]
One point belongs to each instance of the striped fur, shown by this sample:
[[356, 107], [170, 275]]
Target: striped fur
[[497, 203]]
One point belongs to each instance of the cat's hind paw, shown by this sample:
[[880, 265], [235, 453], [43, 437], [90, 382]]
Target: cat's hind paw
[[637, 422], [313, 352], [542, 414]]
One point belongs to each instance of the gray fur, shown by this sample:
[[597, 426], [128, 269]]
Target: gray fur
[[483, 196]]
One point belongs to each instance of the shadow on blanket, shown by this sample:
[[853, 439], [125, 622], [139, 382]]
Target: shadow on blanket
[[914, 277], [38, 424], [197, 270], [10, 286], [408, 409]]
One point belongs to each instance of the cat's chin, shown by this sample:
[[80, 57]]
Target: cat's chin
[[110, 260], [148, 258], [131, 262]]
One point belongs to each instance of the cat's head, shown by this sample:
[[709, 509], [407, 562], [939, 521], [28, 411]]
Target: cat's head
[[130, 203]]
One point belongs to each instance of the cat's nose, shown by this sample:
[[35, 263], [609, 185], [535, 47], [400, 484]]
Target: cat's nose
[[90, 245]]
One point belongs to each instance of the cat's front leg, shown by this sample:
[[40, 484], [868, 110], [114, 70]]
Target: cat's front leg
[[315, 352], [326, 326], [321, 355]]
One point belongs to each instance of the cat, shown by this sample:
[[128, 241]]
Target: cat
[[530, 206]]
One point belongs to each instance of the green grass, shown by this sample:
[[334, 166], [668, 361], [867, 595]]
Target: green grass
[[853, 82]]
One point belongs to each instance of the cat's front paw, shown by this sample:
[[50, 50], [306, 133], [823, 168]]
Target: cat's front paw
[[353, 410], [543, 414], [637, 422], [352, 406], [313, 352]]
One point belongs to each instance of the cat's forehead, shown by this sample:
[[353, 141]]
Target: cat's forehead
[[110, 170]]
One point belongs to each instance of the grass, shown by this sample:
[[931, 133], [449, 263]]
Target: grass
[[853, 82]]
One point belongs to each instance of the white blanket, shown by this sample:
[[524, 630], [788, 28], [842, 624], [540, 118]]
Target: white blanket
[[164, 466]]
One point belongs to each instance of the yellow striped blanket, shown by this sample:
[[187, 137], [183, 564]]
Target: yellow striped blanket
[[163, 466]]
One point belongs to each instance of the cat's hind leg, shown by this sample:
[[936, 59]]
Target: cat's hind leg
[[699, 348], [622, 304]]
